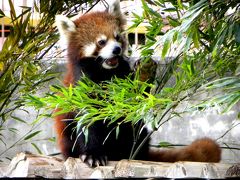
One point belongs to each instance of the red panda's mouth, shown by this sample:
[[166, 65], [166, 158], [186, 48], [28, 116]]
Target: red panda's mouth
[[112, 61], [109, 63]]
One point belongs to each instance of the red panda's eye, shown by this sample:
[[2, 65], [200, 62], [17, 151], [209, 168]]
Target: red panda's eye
[[102, 42], [117, 37]]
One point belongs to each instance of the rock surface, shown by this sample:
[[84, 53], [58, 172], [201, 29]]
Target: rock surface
[[30, 165]]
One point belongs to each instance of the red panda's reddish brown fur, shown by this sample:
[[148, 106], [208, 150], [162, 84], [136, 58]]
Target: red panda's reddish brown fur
[[85, 31], [201, 150], [87, 28]]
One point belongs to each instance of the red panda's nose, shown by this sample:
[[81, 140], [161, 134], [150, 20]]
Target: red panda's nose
[[116, 50]]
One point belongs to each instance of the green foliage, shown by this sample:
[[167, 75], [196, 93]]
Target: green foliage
[[206, 36], [228, 95], [24, 66], [123, 99]]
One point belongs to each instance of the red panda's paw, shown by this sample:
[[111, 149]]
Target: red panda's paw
[[94, 161]]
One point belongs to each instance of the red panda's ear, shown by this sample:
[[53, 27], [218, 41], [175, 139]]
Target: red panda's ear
[[65, 26], [114, 8]]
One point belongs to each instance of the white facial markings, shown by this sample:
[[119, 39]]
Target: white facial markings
[[109, 48], [102, 37], [89, 49], [107, 51]]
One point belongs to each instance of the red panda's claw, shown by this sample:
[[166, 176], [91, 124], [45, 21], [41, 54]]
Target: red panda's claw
[[83, 157], [104, 160], [94, 161]]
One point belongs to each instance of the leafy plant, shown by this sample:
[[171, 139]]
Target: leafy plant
[[227, 97], [114, 99], [204, 38], [26, 64]]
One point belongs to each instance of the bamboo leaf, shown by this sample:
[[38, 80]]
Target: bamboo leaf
[[190, 19], [1, 13], [53, 139], [12, 9], [166, 47], [36, 7], [180, 4], [19, 119], [14, 130], [164, 144], [234, 100], [37, 148], [196, 37], [32, 135]]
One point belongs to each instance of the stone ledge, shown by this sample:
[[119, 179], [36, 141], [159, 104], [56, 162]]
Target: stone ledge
[[30, 165]]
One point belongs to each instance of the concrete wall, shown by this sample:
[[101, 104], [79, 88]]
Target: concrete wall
[[225, 128]]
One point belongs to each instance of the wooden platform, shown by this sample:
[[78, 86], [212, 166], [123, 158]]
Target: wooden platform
[[30, 165]]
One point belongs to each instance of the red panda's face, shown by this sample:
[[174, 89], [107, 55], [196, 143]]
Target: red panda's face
[[108, 48], [97, 35]]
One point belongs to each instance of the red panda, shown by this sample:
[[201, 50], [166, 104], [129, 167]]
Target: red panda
[[96, 49]]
